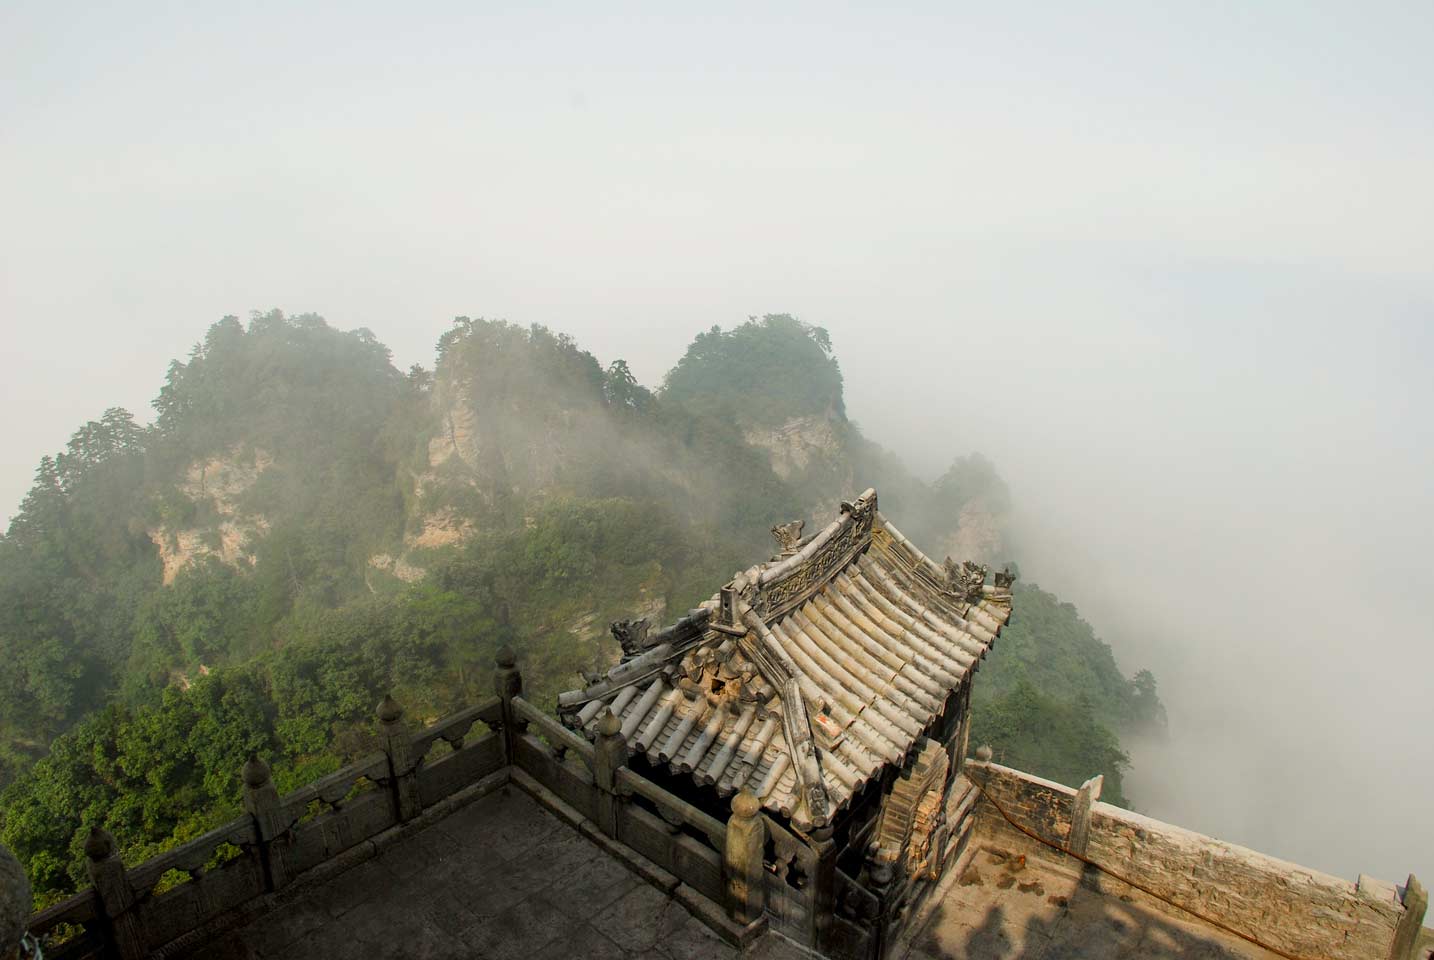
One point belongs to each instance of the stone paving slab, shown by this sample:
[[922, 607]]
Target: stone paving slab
[[1004, 908], [501, 879]]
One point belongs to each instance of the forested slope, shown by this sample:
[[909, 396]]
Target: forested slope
[[305, 527]]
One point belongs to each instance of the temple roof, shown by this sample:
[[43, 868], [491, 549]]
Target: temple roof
[[805, 676]]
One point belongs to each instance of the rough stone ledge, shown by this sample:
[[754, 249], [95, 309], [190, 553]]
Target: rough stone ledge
[[302, 885]]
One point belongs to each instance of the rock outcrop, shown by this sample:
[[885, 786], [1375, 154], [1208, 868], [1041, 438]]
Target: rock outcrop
[[979, 534], [797, 445], [220, 481]]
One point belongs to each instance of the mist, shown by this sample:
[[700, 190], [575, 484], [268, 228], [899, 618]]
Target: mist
[[1234, 493], [1171, 273]]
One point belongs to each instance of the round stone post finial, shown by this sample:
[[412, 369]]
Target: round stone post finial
[[746, 805], [388, 710], [983, 753], [114, 895], [255, 772], [883, 867], [507, 679], [609, 754], [742, 869], [99, 844], [608, 724]]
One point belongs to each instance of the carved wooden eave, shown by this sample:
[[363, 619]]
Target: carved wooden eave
[[807, 676]]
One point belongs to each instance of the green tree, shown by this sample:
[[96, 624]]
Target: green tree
[[571, 493], [765, 371]]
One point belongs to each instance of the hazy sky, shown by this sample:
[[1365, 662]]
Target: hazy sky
[[1171, 266]]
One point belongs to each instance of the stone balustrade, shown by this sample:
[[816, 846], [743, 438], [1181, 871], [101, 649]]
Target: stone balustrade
[[704, 862], [231, 874]]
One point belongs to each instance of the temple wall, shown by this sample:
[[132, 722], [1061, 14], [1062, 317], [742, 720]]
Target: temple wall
[[1293, 908]]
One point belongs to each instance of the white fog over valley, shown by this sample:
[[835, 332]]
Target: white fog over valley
[[1170, 269]]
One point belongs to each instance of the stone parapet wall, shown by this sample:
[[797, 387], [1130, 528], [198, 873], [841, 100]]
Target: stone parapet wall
[[1299, 911], [1041, 806]]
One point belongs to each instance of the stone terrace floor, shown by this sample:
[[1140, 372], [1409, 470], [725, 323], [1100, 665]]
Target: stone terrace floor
[[504, 879], [1001, 909], [500, 879]]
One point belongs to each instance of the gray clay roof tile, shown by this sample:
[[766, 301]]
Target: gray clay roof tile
[[875, 635]]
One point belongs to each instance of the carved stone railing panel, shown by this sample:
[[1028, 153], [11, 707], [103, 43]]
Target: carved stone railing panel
[[790, 866], [333, 832], [477, 758], [699, 866], [70, 929], [557, 735], [175, 912], [672, 808], [458, 728], [790, 860], [331, 792], [194, 856], [690, 860], [563, 773]]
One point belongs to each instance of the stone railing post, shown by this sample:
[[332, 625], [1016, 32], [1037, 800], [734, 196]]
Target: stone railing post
[[115, 898], [609, 756], [742, 869], [402, 768], [1085, 799], [508, 683], [261, 801], [823, 884], [15, 903], [962, 740], [881, 880], [1406, 935]]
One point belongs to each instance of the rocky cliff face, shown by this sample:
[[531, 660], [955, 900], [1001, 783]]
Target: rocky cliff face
[[810, 454], [823, 457], [219, 481], [397, 566], [495, 442], [459, 436], [797, 445], [496, 445], [979, 535]]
